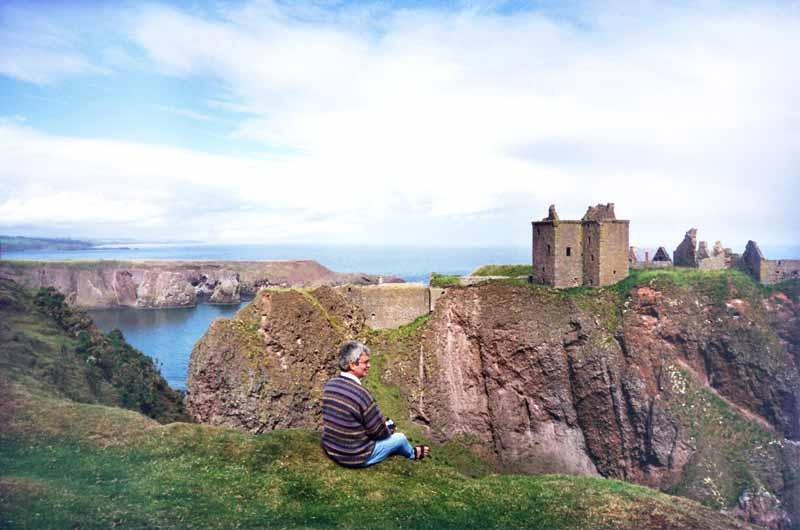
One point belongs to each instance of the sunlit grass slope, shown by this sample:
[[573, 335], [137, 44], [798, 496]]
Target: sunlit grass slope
[[69, 461], [190, 476]]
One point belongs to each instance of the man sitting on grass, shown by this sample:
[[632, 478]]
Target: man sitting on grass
[[354, 433]]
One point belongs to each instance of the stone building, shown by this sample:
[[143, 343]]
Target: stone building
[[591, 252], [689, 254], [768, 271], [662, 256]]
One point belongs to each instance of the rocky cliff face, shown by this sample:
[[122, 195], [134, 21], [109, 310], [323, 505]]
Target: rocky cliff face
[[689, 387], [509, 366], [265, 369], [149, 284]]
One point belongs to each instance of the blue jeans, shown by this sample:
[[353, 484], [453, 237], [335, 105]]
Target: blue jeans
[[396, 444]]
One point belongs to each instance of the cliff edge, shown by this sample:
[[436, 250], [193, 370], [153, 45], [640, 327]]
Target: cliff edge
[[150, 284], [685, 381], [71, 458]]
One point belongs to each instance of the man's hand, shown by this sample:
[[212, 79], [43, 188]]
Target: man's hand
[[390, 425]]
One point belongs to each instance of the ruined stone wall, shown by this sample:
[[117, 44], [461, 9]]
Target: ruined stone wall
[[544, 241], [686, 253], [613, 251], [651, 265], [436, 293], [764, 270], [774, 271], [712, 263], [389, 305], [591, 254], [568, 252], [752, 259]]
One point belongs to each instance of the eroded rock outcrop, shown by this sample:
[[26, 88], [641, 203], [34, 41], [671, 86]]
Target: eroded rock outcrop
[[692, 390], [646, 391], [265, 369]]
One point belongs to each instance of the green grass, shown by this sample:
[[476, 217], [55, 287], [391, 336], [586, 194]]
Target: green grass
[[188, 476], [388, 346], [49, 345], [503, 270], [73, 465], [404, 331], [718, 285], [444, 280], [718, 471]]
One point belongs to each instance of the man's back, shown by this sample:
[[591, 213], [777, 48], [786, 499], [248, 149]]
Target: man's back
[[351, 422]]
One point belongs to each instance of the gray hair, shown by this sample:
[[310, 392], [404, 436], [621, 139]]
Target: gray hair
[[350, 352]]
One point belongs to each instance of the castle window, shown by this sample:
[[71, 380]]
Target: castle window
[[615, 272], [569, 251], [548, 250], [542, 269], [592, 257]]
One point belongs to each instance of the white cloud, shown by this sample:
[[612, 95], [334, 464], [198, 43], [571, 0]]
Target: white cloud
[[41, 66], [44, 46], [186, 113], [681, 114], [677, 84], [46, 207]]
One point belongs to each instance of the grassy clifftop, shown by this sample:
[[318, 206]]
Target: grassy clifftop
[[71, 457], [118, 470]]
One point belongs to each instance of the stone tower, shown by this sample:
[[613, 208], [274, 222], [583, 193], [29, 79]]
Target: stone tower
[[591, 252]]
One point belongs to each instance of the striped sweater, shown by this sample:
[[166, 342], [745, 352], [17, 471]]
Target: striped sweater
[[351, 422]]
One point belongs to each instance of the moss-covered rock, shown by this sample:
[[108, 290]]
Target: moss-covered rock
[[265, 368]]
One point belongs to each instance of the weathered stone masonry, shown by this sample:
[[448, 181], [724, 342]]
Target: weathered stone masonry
[[768, 271], [389, 305], [591, 252]]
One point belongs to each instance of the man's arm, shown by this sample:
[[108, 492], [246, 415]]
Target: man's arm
[[374, 423]]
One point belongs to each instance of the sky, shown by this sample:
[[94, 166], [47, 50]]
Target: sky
[[424, 123]]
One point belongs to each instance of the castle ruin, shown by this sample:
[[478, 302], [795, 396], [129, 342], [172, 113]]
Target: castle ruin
[[689, 254], [594, 252], [591, 252], [768, 271]]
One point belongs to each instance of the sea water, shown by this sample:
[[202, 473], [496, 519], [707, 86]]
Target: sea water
[[168, 335], [413, 264]]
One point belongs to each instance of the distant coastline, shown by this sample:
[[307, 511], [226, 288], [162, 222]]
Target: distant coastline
[[23, 244], [412, 263]]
